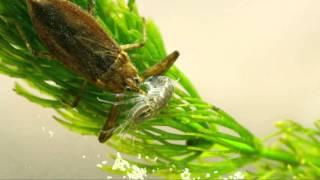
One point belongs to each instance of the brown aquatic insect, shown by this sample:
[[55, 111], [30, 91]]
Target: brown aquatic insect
[[73, 37]]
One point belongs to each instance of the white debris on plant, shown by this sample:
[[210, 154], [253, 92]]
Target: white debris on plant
[[120, 164], [99, 165], [137, 173], [133, 171], [185, 175], [236, 176], [208, 175]]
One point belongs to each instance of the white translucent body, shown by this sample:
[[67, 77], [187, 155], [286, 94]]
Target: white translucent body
[[159, 90]]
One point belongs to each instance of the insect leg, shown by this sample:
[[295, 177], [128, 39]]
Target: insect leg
[[77, 99], [110, 124], [45, 55], [128, 47], [91, 6], [161, 67]]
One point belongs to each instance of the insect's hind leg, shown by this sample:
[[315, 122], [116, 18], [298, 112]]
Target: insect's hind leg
[[45, 55], [128, 47], [161, 67], [110, 124]]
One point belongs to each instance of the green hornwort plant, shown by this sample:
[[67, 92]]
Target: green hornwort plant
[[186, 140]]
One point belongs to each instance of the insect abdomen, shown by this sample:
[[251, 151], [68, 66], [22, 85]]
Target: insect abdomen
[[73, 37]]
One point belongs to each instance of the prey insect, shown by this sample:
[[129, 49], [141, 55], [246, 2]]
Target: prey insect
[[73, 37], [159, 90]]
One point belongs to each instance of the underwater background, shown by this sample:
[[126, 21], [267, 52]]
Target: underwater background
[[257, 60]]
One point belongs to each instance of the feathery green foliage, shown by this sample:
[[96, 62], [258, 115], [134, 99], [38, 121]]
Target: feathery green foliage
[[188, 133]]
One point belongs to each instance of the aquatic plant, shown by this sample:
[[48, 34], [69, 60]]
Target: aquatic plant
[[190, 138]]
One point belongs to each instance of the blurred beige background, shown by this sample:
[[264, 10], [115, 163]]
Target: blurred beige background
[[259, 60]]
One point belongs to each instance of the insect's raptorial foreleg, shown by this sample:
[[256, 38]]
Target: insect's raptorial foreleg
[[91, 6], [110, 124], [128, 47], [45, 55], [161, 67]]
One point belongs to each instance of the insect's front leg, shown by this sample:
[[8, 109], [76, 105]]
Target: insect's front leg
[[110, 124], [161, 67], [128, 47], [44, 55]]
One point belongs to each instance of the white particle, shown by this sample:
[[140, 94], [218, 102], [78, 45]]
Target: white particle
[[238, 175], [198, 178], [153, 170], [51, 133], [137, 173], [208, 175], [120, 164], [84, 156], [104, 162], [185, 175], [215, 172], [124, 177], [139, 156], [155, 159], [99, 165], [147, 157], [109, 177]]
